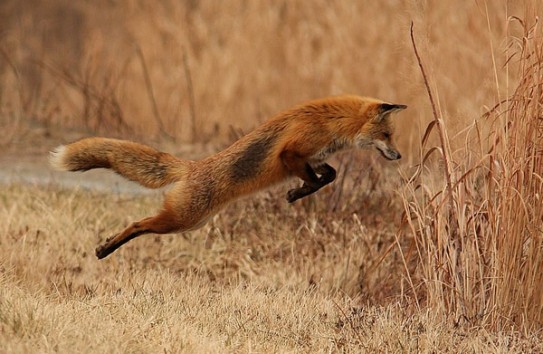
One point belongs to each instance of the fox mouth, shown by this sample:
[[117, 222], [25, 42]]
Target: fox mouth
[[390, 154]]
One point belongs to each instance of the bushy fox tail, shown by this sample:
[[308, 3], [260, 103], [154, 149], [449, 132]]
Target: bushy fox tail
[[136, 162]]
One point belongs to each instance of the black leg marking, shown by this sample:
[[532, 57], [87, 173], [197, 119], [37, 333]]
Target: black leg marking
[[327, 172], [328, 175], [313, 181], [109, 246]]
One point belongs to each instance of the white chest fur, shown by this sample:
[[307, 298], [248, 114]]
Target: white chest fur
[[335, 146]]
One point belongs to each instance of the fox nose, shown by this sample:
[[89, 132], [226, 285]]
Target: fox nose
[[398, 156]]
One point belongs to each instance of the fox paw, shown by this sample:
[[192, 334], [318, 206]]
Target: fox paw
[[101, 251], [293, 195], [104, 249]]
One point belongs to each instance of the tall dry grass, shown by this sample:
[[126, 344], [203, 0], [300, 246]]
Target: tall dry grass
[[478, 226]]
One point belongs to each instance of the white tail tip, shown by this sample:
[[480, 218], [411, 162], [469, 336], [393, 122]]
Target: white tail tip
[[57, 157]]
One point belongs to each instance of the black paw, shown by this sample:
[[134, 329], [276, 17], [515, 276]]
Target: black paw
[[102, 252], [104, 249], [293, 195]]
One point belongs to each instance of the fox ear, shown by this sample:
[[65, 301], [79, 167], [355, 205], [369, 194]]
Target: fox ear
[[385, 109]]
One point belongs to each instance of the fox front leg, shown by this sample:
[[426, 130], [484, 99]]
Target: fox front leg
[[297, 164], [327, 175]]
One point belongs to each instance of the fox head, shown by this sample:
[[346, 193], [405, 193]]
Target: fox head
[[378, 130]]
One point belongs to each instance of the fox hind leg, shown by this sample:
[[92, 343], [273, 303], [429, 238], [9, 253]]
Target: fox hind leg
[[162, 223]]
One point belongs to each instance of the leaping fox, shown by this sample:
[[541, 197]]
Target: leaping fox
[[294, 143]]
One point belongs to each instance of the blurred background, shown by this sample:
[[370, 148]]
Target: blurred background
[[206, 71], [460, 236]]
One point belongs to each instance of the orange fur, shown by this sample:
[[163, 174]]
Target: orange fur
[[296, 142]]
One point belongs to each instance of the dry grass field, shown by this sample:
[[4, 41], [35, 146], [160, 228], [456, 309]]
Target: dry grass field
[[442, 252]]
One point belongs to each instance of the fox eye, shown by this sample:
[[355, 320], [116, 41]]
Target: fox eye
[[387, 135]]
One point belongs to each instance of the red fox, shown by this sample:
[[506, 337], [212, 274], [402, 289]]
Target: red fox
[[294, 143]]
